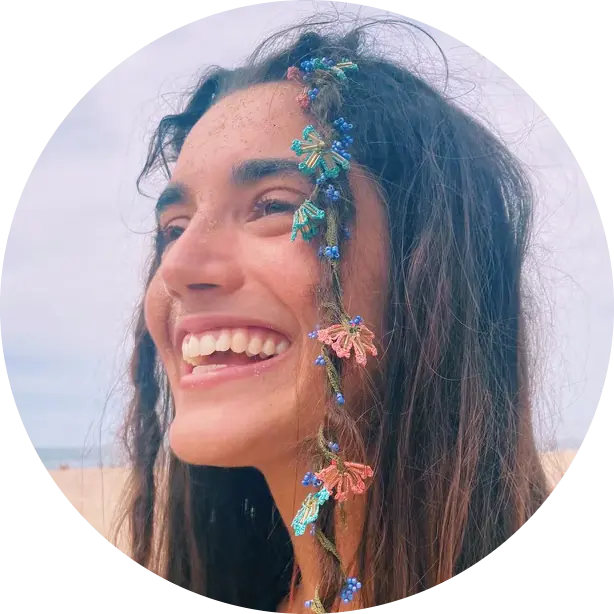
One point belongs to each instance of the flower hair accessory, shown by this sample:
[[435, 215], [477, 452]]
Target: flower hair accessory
[[344, 337], [324, 156], [345, 478]]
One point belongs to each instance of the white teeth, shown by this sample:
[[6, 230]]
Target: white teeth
[[223, 341], [207, 345], [207, 368], [268, 348], [255, 345], [282, 347], [238, 343], [239, 340], [193, 347]]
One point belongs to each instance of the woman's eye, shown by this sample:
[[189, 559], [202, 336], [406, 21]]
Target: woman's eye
[[275, 207], [168, 235]]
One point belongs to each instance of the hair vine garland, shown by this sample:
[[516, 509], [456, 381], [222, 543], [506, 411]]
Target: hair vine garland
[[324, 158]]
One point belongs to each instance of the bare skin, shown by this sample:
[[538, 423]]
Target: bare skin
[[229, 256]]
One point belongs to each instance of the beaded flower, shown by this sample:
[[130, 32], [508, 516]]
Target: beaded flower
[[307, 218], [309, 510], [293, 74], [342, 338], [345, 478], [304, 100], [337, 69], [330, 162]]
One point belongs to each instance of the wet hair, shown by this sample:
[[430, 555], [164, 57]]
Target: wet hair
[[448, 428]]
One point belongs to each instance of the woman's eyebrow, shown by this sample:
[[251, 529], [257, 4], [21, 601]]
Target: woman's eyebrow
[[256, 169], [173, 194]]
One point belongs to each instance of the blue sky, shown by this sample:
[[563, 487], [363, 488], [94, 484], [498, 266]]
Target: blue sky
[[74, 258]]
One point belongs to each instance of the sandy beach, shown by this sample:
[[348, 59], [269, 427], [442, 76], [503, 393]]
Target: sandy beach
[[95, 492]]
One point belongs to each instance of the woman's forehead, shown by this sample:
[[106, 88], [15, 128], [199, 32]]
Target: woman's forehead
[[260, 121]]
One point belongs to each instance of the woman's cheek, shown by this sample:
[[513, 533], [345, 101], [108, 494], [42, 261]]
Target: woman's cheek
[[157, 315]]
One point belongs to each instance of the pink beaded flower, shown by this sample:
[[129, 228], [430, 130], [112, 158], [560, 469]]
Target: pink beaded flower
[[343, 337], [304, 100], [350, 479], [294, 74]]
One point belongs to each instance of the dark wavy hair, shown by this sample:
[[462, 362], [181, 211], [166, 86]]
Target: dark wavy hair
[[449, 427]]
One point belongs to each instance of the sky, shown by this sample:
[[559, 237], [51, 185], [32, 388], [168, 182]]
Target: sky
[[74, 265]]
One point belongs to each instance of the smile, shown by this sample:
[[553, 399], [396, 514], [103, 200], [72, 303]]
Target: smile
[[227, 353]]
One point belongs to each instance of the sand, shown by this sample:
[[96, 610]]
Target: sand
[[95, 492]]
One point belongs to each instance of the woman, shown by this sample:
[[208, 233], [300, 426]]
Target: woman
[[287, 453]]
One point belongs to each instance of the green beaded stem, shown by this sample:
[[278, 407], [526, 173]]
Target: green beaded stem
[[328, 546], [332, 238], [333, 376], [323, 447], [316, 605]]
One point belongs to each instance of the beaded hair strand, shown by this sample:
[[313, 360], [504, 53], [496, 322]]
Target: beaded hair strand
[[325, 157]]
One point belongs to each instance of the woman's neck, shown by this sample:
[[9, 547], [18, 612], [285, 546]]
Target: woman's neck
[[284, 481]]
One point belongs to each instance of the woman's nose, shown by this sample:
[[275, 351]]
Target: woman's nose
[[202, 259]]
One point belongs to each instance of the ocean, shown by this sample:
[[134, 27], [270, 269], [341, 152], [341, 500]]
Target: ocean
[[77, 458]]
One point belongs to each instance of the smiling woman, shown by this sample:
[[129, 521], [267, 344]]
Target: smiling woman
[[314, 182]]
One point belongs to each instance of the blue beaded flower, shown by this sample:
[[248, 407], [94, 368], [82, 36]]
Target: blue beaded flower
[[314, 333], [332, 252], [339, 398], [350, 586], [313, 93], [337, 147], [310, 479], [325, 63], [319, 361], [331, 193], [329, 252], [342, 125], [333, 447]]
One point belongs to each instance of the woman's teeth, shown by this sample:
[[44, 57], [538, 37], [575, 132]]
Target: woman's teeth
[[251, 342]]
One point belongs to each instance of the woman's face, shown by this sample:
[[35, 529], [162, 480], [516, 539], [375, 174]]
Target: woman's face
[[233, 301]]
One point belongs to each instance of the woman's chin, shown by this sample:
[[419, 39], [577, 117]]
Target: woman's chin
[[223, 438]]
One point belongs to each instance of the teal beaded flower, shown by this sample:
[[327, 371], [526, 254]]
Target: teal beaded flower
[[309, 510], [318, 155], [340, 68], [336, 68], [307, 218]]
